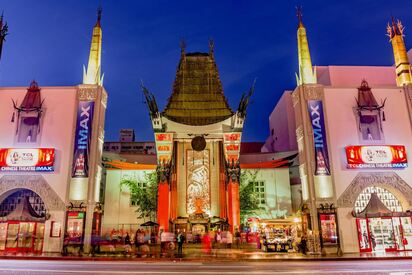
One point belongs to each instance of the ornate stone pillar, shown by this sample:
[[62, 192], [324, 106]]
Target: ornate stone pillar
[[163, 196], [233, 179]]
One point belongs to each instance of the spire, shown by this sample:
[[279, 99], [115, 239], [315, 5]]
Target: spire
[[403, 67], [93, 72], [307, 74], [3, 32]]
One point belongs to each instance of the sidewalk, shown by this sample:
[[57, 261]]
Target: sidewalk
[[195, 253]]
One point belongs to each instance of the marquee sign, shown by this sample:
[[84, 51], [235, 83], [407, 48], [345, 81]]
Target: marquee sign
[[81, 154], [316, 116], [27, 159], [376, 156]]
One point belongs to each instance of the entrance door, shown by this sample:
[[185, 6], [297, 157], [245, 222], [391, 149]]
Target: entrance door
[[12, 236], [381, 234], [406, 225], [39, 238], [363, 235], [25, 237]]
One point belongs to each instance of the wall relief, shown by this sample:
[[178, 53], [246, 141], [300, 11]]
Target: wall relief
[[36, 183], [388, 180]]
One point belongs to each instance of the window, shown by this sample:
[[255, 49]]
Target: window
[[260, 191], [390, 201]]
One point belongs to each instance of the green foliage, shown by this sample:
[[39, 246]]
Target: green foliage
[[249, 202], [144, 197]]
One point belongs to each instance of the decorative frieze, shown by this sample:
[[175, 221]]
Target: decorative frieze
[[87, 93], [299, 132], [232, 171], [163, 171], [312, 92], [36, 183], [295, 97], [388, 180]]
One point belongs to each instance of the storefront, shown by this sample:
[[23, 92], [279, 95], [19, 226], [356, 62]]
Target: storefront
[[23, 215], [379, 228]]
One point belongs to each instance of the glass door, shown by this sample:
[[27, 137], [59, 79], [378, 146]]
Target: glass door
[[363, 235], [12, 236], [25, 240], [397, 230], [407, 232], [39, 237], [388, 235], [3, 235]]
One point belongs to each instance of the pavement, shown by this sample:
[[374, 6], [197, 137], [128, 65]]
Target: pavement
[[58, 267], [195, 253]]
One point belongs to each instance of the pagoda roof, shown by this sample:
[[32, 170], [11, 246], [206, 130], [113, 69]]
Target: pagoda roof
[[365, 97], [32, 99], [375, 208], [197, 98]]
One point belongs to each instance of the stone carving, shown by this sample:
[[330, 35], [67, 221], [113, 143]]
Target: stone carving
[[163, 172], [312, 92], [299, 132], [87, 93], [232, 171], [388, 180], [104, 98], [295, 97], [36, 183]]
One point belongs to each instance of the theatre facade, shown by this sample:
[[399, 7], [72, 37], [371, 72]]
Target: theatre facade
[[50, 149], [353, 131]]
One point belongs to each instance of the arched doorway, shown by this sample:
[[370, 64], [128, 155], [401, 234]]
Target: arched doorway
[[22, 218], [382, 224]]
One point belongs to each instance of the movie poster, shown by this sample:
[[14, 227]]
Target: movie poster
[[316, 116], [81, 155]]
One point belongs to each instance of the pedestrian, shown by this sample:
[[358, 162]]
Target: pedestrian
[[229, 239], [237, 238], [95, 242], [218, 238], [207, 246], [127, 243], [180, 241], [303, 244]]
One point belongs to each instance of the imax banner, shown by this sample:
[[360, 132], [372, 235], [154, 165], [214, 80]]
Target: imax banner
[[80, 166], [316, 116]]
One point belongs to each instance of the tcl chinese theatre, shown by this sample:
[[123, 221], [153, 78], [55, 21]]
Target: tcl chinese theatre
[[197, 139]]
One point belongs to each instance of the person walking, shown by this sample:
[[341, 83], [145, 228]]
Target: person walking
[[180, 241]]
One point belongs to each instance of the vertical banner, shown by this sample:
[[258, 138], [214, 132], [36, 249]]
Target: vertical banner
[[81, 154], [316, 115]]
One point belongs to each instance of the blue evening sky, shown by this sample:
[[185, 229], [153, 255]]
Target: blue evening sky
[[49, 41]]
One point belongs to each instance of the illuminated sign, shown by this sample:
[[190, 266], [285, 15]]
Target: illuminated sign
[[163, 136], [376, 156], [232, 137], [316, 116], [81, 154], [163, 148], [27, 159]]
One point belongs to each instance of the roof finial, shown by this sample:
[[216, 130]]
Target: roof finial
[[99, 14], [182, 46], [299, 15], [211, 46]]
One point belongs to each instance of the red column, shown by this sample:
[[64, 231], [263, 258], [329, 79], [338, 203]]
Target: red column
[[163, 205], [233, 205]]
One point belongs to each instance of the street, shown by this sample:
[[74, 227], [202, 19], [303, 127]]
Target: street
[[133, 267]]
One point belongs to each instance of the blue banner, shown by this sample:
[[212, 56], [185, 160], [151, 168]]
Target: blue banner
[[315, 109], [80, 166]]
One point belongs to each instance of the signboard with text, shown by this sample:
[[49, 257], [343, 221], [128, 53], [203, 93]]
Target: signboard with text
[[317, 119], [82, 139], [27, 159], [376, 156]]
